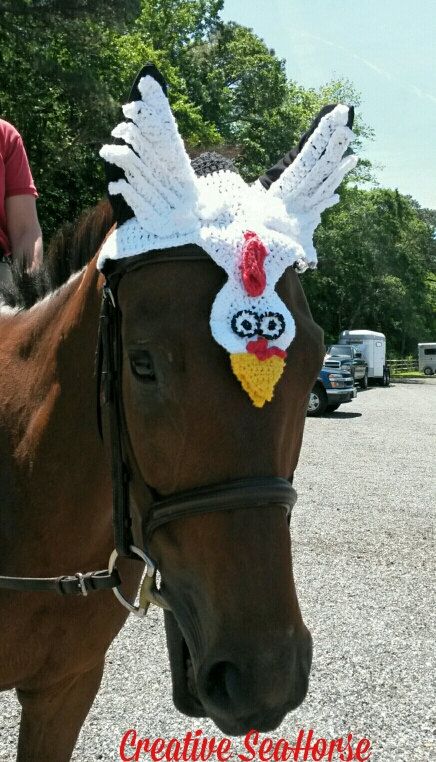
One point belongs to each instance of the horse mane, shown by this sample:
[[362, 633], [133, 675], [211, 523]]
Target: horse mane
[[70, 249]]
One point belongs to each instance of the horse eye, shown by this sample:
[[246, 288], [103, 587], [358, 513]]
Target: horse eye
[[272, 325], [245, 324], [142, 366]]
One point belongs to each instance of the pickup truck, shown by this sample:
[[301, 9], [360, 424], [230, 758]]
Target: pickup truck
[[332, 388], [344, 357]]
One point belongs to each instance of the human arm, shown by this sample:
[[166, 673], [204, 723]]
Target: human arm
[[24, 231]]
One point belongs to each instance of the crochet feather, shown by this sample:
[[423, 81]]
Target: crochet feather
[[160, 182]]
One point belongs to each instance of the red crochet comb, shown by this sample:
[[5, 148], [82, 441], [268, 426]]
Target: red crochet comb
[[252, 269]]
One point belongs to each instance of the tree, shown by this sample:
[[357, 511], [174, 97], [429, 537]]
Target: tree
[[53, 89], [117, 10], [62, 90], [375, 258], [240, 86]]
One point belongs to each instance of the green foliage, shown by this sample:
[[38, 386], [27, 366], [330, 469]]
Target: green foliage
[[55, 93], [67, 65], [375, 269], [241, 87], [115, 10], [172, 25], [408, 374]]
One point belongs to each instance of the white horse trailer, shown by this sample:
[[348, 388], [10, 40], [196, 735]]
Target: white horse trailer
[[372, 347], [427, 358]]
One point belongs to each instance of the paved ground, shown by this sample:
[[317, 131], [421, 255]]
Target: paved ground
[[362, 532]]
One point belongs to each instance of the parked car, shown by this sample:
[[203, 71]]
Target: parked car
[[371, 346], [331, 389], [347, 358]]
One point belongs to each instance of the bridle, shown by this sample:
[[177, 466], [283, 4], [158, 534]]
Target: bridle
[[225, 496]]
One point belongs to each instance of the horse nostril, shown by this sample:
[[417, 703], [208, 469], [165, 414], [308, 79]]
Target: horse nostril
[[222, 683]]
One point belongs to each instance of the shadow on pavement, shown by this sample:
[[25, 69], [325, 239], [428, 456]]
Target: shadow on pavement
[[339, 414]]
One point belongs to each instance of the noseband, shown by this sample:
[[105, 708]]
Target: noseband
[[251, 492]]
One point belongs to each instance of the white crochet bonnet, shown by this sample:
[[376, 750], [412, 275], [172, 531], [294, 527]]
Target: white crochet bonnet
[[252, 233]]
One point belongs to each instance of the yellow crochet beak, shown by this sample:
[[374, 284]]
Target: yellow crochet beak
[[258, 377]]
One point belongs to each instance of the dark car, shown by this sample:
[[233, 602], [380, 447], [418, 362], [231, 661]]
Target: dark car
[[345, 357], [332, 388]]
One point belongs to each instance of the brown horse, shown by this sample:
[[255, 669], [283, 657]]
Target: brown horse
[[239, 650], [249, 652]]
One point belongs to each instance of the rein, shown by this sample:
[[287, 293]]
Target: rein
[[225, 496]]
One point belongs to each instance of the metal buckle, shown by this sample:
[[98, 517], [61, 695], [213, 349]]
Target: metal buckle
[[148, 592], [81, 583], [107, 293]]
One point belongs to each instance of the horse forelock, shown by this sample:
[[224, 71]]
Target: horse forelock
[[209, 162]]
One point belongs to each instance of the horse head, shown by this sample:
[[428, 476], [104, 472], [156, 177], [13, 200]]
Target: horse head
[[216, 354]]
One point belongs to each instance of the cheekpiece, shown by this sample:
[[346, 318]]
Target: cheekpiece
[[252, 233]]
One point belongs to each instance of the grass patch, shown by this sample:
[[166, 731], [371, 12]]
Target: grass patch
[[408, 374]]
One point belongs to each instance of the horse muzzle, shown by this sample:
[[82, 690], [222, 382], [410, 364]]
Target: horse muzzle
[[242, 685]]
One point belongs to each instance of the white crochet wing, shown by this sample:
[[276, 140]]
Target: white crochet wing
[[308, 185], [160, 182]]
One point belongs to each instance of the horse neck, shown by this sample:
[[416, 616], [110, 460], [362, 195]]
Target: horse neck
[[58, 442], [72, 329], [65, 330]]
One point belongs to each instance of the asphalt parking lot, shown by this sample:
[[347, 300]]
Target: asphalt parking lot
[[362, 549]]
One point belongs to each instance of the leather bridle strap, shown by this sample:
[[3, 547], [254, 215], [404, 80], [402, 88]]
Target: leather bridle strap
[[227, 496], [109, 366], [73, 584]]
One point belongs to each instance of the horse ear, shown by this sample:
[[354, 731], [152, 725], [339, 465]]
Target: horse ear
[[150, 177], [271, 175], [121, 210], [307, 178], [149, 70]]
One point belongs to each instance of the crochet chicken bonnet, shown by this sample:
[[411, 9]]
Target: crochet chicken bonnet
[[253, 232]]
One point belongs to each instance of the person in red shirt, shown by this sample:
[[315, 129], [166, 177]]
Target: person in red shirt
[[20, 232]]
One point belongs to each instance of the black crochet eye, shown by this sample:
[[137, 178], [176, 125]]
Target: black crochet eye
[[272, 325], [245, 324], [141, 363]]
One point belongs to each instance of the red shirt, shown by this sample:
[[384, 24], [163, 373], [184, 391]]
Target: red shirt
[[15, 175]]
